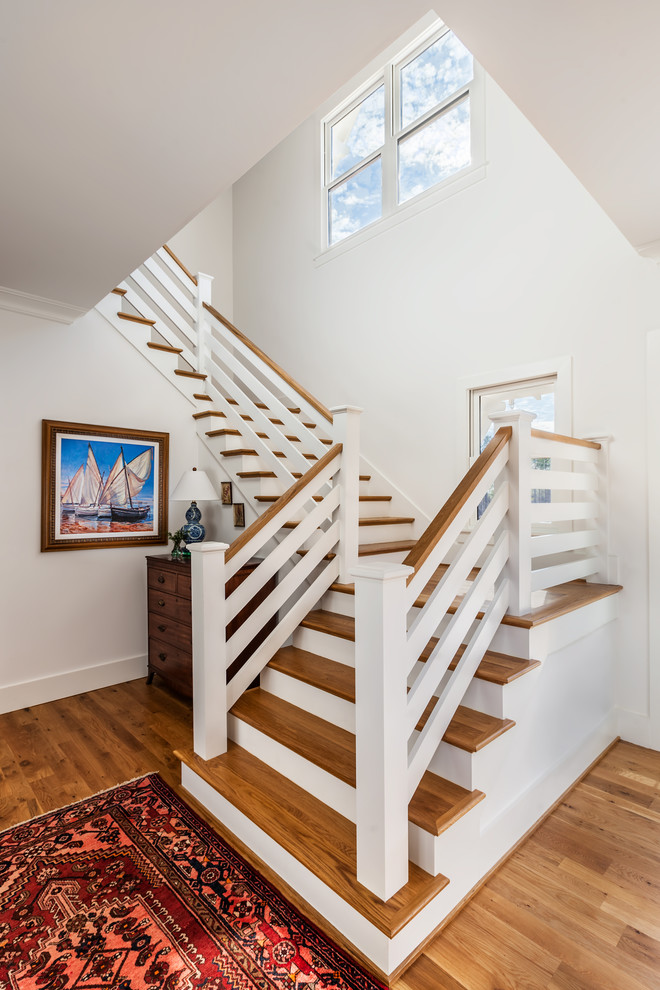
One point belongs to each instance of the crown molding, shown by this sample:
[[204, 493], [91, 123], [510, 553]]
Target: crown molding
[[51, 310]]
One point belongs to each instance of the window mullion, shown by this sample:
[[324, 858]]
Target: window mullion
[[389, 148]]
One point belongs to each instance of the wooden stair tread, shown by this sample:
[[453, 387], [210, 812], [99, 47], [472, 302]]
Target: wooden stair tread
[[386, 520], [319, 498], [190, 374], [136, 319], [469, 730], [119, 292], [371, 549], [332, 623], [223, 433], [256, 474], [436, 803], [209, 412], [202, 397], [314, 834], [165, 347], [239, 452], [394, 546], [499, 668], [335, 678], [325, 745]]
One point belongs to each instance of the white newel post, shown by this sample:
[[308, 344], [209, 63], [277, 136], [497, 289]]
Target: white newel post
[[346, 430], [207, 562], [381, 741], [204, 284], [519, 474]]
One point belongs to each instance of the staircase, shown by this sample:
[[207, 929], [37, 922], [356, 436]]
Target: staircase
[[429, 688]]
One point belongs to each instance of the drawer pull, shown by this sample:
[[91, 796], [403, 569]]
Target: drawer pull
[[162, 656], [162, 628], [161, 579], [161, 602]]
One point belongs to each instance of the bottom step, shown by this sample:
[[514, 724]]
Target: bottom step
[[316, 835], [308, 850]]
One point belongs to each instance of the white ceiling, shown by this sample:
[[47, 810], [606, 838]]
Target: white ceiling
[[121, 119], [585, 73]]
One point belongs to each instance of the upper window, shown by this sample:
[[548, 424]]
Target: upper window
[[399, 137]]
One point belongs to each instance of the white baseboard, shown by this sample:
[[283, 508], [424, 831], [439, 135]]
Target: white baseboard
[[70, 682], [637, 728]]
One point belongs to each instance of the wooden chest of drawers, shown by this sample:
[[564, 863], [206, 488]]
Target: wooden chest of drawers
[[170, 620]]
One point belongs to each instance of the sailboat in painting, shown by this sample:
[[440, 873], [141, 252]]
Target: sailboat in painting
[[124, 484], [71, 497], [91, 487]]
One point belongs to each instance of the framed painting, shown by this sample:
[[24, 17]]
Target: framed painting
[[227, 497], [102, 487]]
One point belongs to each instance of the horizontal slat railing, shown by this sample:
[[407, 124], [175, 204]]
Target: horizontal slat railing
[[566, 537], [302, 579], [159, 296], [270, 368], [184, 299], [395, 620], [239, 381], [444, 529]]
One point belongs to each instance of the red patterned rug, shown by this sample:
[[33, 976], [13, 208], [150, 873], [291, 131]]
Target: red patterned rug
[[131, 890]]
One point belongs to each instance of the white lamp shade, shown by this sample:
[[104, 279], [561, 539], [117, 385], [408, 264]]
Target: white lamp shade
[[194, 486]]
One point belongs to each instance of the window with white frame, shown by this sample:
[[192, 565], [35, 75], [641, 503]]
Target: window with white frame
[[402, 135]]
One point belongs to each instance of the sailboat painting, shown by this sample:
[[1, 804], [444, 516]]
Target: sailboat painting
[[103, 487]]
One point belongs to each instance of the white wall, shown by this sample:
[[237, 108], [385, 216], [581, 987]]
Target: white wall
[[73, 620], [205, 245], [520, 267]]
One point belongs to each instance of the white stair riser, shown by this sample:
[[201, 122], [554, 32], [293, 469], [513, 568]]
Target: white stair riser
[[367, 510], [338, 602], [255, 486], [242, 462], [498, 700], [311, 699], [502, 701], [440, 853], [389, 533], [318, 782], [474, 771], [332, 647], [218, 444]]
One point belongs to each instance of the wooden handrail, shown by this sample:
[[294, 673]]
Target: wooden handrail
[[560, 438], [282, 501], [320, 408], [438, 526], [179, 263]]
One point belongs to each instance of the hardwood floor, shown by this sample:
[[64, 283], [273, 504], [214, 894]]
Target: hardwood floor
[[576, 907]]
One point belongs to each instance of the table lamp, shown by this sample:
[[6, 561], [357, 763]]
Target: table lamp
[[194, 486]]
